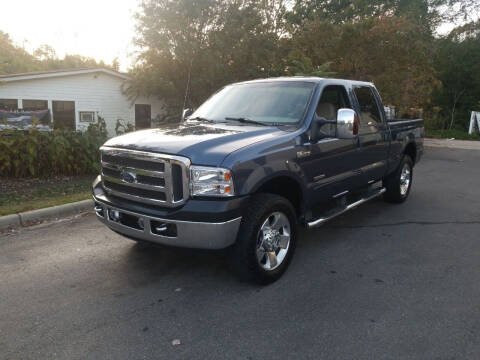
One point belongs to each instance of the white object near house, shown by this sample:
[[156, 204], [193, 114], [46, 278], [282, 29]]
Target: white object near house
[[474, 117], [76, 98]]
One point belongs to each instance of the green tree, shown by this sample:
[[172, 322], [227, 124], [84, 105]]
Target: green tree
[[45, 53], [14, 59], [457, 63], [116, 64], [191, 48], [428, 13], [392, 52]]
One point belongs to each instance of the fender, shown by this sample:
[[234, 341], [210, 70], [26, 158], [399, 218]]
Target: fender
[[249, 176], [286, 184], [281, 174]]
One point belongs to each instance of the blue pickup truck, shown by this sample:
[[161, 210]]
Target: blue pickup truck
[[251, 164]]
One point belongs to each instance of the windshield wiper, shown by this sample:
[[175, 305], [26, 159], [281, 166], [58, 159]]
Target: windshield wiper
[[246, 120]]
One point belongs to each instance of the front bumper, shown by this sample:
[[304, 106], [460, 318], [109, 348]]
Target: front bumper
[[189, 227]]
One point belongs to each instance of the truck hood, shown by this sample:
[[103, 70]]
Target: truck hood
[[202, 143]]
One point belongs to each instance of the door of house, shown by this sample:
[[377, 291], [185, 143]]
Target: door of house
[[63, 114], [143, 116]]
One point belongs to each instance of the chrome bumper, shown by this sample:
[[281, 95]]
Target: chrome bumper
[[200, 235]]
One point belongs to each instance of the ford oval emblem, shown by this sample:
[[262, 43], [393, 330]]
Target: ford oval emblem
[[128, 177]]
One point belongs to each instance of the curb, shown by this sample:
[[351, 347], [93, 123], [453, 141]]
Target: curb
[[7, 221], [34, 216]]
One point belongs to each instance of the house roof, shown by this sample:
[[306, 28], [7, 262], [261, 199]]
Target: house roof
[[58, 73]]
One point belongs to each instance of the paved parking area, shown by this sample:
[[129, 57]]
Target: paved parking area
[[382, 282]]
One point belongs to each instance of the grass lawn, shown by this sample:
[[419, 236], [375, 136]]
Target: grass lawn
[[17, 195], [448, 134]]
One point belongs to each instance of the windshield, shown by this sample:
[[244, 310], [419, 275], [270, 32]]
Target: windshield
[[263, 102]]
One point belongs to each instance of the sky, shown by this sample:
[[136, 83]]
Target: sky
[[102, 29]]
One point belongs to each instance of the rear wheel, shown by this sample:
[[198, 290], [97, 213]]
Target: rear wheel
[[399, 183], [266, 239]]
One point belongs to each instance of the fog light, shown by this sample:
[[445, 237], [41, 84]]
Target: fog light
[[115, 215]]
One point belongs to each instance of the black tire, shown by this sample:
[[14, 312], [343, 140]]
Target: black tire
[[393, 182], [243, 254]]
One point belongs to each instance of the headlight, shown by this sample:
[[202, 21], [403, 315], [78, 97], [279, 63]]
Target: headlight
[[210, 181]]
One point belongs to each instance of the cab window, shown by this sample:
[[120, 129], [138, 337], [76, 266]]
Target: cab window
[[369, 112], [334, 97]]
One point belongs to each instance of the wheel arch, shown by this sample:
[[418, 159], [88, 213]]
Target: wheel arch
[[411, 150], [286, 186]]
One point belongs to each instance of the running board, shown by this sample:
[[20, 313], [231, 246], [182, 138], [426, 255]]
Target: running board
[[336, 212]]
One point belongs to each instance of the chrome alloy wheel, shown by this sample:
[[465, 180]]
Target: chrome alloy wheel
[[273, 241], [405, 179]]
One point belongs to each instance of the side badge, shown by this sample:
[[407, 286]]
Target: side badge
[[303, 153]]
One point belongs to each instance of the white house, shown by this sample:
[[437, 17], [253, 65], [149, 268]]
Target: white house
[[76, 97]]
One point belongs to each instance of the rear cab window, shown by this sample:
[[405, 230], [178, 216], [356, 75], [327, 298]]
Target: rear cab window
[[369, 111]]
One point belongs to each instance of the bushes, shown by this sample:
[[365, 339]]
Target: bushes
[[34, 153], [448, 134], [123, 127]]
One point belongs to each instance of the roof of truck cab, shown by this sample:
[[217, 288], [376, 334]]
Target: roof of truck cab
[[313, 79]]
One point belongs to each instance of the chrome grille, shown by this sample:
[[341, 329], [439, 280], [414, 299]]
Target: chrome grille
[[144, 176]]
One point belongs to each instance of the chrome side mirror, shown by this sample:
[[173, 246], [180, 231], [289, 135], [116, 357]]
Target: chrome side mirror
[[186, 113], [347, 124]]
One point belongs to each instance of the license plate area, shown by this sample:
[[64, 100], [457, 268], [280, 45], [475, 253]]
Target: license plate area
[[128, 220]]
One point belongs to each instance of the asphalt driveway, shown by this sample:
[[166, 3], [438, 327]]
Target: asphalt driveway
[[382, 282]]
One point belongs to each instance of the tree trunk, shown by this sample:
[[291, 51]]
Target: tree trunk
[[455, 101], [452, 118]]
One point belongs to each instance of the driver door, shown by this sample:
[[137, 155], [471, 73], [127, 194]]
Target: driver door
[[330, 164]]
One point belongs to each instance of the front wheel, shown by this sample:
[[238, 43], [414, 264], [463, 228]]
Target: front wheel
[[398, 183], [266, 239]]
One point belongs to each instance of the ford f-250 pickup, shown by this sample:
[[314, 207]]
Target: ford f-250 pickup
[[255, 161]]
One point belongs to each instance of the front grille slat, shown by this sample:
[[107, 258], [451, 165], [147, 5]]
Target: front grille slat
[[134, 162], [145, 177], [138, 185], [150, 173], [115, 173], [157, 195], [149, 180]]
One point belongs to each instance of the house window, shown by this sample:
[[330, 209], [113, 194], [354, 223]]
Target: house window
[[34, 105], [87, 116], [143, 118], [9, 104], [63, 114]]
